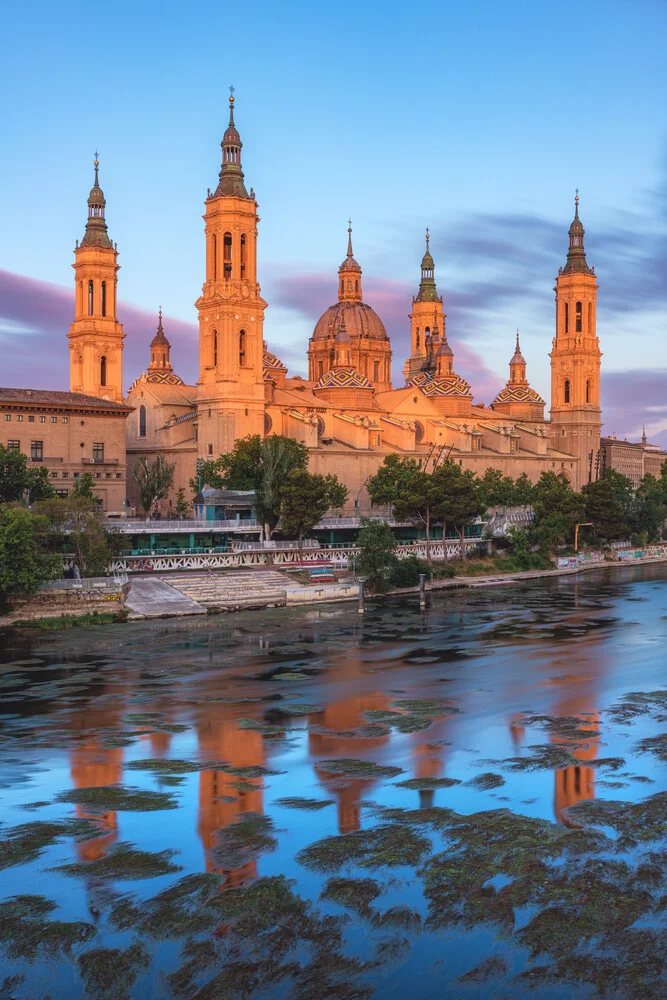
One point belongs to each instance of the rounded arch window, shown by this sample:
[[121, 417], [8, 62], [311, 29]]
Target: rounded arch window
[[567, 390], [268, 423], [320, 427], [103, 370], [242, 346], [142, 421], [419, 431]]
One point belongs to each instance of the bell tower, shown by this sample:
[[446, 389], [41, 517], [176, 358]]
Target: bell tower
[[426, 320], [96, 337], [231, 310], [576, 417]]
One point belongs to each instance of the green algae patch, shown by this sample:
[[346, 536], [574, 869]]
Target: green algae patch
[[398, 918], [158, 765], [427, 784], [309, 805], [655, 745], [23, 843], [382, 846], [401, 722], [431, 707], [633, 822], [110, 973], [118, 798], [178, 911], [124, 861], [244, 841], [353, 893], [26, 932], [250, 771], [488, 968], [639, 704], [486, 781], [546, 757], [574, 728], [243, 786], [264, 728], [352, 767]]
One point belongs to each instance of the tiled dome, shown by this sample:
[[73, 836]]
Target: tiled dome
[[360, 321]]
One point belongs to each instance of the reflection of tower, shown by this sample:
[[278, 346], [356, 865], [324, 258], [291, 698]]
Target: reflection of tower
[[577, 782], [220, 739], [342, 716], [92, 766]]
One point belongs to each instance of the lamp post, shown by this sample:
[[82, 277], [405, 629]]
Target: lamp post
[[584, 524]]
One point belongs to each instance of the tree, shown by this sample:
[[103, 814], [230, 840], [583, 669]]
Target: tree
[[650, 508], [76, 525], [14, 475], [557, 509], [279, 456], [463, 504], [153, 479], [610, 504], [377, 558], [181, 502], [403, 485], [83, 487], [24, 566], [40, 487], [238, 469], [305, 500], [524, 491], [496, 490]]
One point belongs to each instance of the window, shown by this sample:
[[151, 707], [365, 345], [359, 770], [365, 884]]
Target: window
[[103, 370], [210, 449], [61, 494], [8, 416], [320, 368], [215, 256], [31, 419], [104, 298], [567, 390], [243, 253], [567, 317], [119, 475], [215, 349], [76, 475], [107, 475], [54, 475], [577, 310], [246, 411], [417, 339], [227, 255], [588, 391], [54, 420], [42, 419], [242, 339], [13, 446], [376, 371], [356, 286], [36, 450], [342, 284], [19, 417], [91, 288], [142, 421], [97, 475], [65, 475], [98, 451], [65, 420]]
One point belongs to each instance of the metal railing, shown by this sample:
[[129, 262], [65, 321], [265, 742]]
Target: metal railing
[[150, 526]]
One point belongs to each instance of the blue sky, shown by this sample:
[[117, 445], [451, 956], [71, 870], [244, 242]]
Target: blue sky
[[476, 119]]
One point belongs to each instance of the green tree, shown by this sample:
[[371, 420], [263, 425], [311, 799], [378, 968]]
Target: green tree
[[557, 509], [463, 504], [40, 487], [377, 559], [609, 506], [154, 480], [305, 500], [239, 469], [279, 456], [402, 484], [181, 502], [524, 491], [650, 508], [15, 476], [24, 565], [83, 487], [496, 490]]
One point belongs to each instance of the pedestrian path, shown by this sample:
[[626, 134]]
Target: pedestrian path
[[150, 597], [232, 589]]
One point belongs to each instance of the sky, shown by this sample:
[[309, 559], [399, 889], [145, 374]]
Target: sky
[[479, 120]]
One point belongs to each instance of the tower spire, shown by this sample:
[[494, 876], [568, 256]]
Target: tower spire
[[427, 289], [349, 238], [349, 274], [576, 254], [96, 234], [231, 175]]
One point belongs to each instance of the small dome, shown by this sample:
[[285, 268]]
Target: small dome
[[445, 350], [349, 264], [360, 321], [443, 385], [518, 394], [343, 378]]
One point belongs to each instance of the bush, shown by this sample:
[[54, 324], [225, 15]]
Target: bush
[[406, 572], [445, 572]]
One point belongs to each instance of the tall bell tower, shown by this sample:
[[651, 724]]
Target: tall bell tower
[[231, 311], [96, 337], [576, 417], [426, 320]]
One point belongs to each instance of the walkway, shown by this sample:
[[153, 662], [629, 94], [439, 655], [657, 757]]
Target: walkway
[[233, 589], [150, 597]]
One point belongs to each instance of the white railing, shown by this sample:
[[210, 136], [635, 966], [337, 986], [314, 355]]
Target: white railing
[[156, 527], [89, 582]]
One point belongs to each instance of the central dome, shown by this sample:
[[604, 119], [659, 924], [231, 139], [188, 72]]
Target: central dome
[[360, 321]]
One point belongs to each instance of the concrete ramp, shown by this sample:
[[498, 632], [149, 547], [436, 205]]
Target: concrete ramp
[[150, 597]]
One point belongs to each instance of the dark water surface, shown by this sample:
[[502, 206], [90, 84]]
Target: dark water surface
[[464, 802]]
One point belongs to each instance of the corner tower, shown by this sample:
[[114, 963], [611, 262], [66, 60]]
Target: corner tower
[[576, 417], [231, 311], [426, 320], [96, 337]]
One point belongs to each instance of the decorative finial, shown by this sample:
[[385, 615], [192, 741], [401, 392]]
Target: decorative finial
[[96, 165], [428, 237], [349, 238], [576, 203], [231, 104], [517, 338]]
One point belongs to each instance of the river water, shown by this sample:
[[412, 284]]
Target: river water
[[466, 801]]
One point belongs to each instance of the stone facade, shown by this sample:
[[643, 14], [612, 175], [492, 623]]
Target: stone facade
[[632, 459]]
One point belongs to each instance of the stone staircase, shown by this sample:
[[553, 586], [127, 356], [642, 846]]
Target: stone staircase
[[232, 589]]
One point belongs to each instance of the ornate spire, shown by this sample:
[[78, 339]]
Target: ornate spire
[[427, 289], [518, 356], [96, 234], [576, 255], [231, 174], [349, 274], [160, 349]]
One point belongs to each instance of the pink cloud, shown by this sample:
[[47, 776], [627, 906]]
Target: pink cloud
[[34, 320]]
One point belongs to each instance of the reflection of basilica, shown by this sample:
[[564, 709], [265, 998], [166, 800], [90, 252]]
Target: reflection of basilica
[[93, 765], [577, 782]]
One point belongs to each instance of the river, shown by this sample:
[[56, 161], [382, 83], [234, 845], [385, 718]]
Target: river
[[465, 801]]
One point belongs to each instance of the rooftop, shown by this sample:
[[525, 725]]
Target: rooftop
[[53, 397]]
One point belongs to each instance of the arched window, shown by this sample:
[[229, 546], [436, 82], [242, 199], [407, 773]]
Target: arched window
[[103, 370], [243, 255], [417, 339], [142, 421], [91, 289], [320, 368], [356, 286], [567, 317], [163, 361], [342, 284], [588, 391], [104, 298], [349, 284], [227, 255], [242, 339], [567, 390], [589, 328], [214, 242], [376, 371], [427, 331], [577, 310], [215, 348]]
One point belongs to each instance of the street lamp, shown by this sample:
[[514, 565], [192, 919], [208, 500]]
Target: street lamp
[[584, 524]]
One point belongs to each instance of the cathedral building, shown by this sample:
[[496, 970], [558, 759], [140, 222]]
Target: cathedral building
[[347, 411]]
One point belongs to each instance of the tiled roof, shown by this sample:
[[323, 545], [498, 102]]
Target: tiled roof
[[52, 397], [518, 394]]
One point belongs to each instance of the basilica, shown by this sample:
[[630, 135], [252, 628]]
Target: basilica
[[347, 412]]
